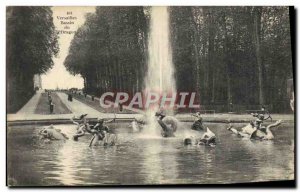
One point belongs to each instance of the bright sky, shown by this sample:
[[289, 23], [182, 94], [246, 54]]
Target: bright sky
[[58, 76]]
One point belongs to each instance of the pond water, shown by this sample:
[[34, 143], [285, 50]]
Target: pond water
[[138, 159]]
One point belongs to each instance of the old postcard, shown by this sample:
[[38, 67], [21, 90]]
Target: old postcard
[[153, 95]]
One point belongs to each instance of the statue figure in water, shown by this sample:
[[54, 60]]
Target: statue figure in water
[[82, 126], [102, 135], [136, 125], [198, 124], [260, 118], [99, 131], [51, 133], [252, 132], [168, 124], [208, 138], [255, 129]]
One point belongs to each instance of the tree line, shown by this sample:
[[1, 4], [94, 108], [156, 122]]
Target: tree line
[[109, 51], [31, 41], [233, 57], [236, 57]]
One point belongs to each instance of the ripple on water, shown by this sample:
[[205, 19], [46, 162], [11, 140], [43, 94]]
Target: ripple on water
[[140, 159]]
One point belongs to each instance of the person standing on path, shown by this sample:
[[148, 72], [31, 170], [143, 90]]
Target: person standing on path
[[50, 100], [51, 106]]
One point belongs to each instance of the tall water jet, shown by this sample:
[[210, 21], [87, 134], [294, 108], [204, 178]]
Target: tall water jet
[[160, 74]]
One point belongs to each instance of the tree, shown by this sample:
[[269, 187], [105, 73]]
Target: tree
[[109, 50], [31, 44], [257, 27], [231, 56]]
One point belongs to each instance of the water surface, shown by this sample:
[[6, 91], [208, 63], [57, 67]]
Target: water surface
[[139, 159]]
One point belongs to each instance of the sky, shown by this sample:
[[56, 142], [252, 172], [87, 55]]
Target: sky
[[58, 76]]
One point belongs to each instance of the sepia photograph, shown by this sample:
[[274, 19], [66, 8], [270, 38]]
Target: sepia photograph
[[150, 96]]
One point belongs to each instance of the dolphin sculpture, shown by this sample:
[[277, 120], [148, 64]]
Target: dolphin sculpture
[[52, 133]]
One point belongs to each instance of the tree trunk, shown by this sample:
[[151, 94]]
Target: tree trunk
[[257, 23], [196, 51], [211, 37], [227, 64]]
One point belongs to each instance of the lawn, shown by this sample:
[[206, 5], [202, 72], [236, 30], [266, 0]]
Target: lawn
[[43, 105], [96, 105]]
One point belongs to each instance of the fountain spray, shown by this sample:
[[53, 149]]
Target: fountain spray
[[160, 74]]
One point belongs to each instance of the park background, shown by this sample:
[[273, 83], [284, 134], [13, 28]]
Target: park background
[[235, 58], [93, 3]]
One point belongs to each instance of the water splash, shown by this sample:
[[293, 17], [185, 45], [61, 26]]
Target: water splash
[[160, 74]]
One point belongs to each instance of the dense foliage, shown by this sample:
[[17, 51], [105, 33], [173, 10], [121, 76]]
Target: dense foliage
[[109, 50], [31, 41], [233, 55], [236, 58]]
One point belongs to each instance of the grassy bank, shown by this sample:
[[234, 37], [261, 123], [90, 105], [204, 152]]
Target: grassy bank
[[96, 105], [43, 105]]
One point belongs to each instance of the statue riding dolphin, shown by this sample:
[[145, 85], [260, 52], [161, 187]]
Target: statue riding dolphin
[[251, 132], [168, 124]]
